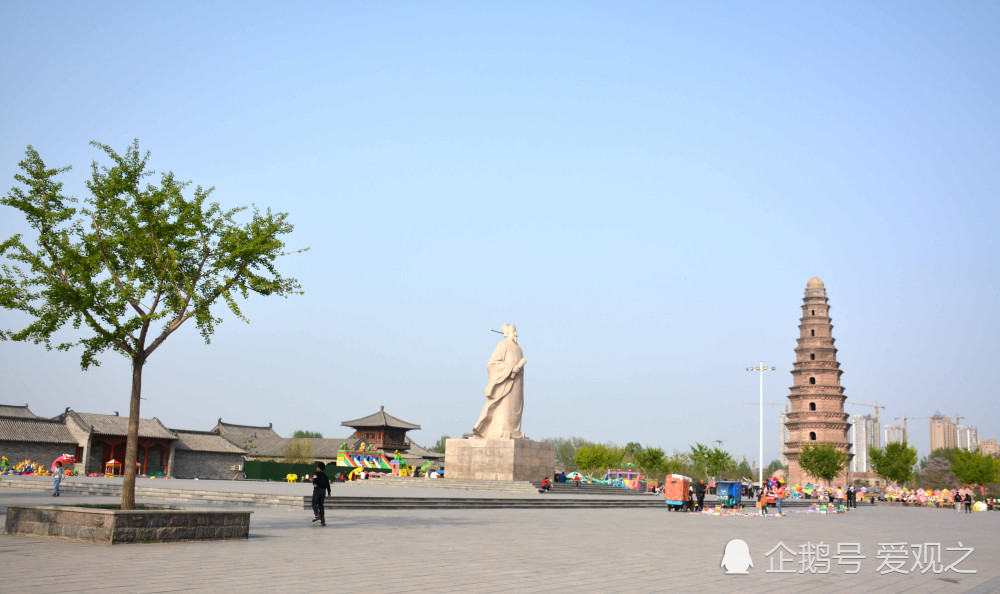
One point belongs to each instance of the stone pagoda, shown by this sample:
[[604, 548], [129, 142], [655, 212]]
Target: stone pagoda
[[817, 398]]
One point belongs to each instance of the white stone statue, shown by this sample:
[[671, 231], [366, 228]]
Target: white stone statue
[[501, 416]]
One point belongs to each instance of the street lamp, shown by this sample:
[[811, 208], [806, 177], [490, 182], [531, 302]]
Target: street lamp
[[761, 368]]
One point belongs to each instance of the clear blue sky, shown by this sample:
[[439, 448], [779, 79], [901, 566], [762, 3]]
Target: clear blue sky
[[642, 188]]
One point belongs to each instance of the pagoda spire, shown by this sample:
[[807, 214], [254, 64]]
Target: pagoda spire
[[817, 398]]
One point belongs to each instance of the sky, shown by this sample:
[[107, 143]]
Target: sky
[[643, 188]]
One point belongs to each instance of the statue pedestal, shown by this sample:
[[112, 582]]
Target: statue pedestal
[[498, 459]]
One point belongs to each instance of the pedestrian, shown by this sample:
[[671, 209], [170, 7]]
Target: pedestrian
[[57, 477], [699, 493], [968, 503], [958, 502], [762, 501], [779, 495], [576, 480], [321, 488]]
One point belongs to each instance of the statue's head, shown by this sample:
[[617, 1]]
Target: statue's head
[[509, 331]]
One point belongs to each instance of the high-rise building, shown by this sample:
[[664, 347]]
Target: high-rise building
[[783, 436], [893, 434], [967, 437], [943, 433], [864, 433], [817, 398]]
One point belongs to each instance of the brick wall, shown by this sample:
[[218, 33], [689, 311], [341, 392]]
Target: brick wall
[[204, 465], [43, 453]]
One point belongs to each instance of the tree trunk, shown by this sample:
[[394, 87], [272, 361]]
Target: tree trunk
[[132, 442]]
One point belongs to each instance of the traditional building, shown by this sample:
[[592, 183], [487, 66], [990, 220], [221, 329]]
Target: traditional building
[[24, 437], [205, 455], [817, 398], [264, 443], [94, 440], [22, 412], [382, 430], [101, 438], [988, 447]]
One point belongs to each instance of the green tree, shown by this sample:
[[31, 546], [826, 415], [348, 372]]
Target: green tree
[[566, 450], [598, 457], [709, 462], [823, 460], [773, 467], [298, 451], [894, 462], [649, 461], [303, 434], [743, 470], [946, 453], [973, 468], [131, 266], [439, 444]]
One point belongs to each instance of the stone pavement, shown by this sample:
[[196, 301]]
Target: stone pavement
[[509, 550]]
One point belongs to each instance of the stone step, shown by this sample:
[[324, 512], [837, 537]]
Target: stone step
[[343, 501], [337, 503]]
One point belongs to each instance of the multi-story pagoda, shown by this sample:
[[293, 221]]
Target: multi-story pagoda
[[817, 398]]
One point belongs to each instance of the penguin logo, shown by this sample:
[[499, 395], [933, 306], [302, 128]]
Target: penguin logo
[[736, 559]]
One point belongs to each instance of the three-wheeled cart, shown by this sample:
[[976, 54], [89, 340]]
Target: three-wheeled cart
[[676, 491], [730, 493]]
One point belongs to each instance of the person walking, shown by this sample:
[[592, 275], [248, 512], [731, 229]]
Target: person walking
[[958, 502], [699, 493], [968, 503], [57, 477], [321, 488]]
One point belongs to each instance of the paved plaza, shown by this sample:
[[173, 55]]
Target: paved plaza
[[520, 550]]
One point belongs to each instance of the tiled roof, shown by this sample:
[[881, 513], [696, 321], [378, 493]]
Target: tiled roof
[[34, 430], [239, 434], [204, 441], [10, 410], [418, 451], [380, 419], [115, 425], [274, 447]]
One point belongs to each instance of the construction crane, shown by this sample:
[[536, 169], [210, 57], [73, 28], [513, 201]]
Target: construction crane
[[906, 436], [785, 404], [904, 419], [876, 406]]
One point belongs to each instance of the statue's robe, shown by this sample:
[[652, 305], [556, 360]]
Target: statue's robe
[[501, 417]]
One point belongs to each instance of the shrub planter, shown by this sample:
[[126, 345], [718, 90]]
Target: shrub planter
[[113, 526]]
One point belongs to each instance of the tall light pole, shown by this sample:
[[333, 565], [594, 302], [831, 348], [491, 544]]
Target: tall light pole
[[761, 368]]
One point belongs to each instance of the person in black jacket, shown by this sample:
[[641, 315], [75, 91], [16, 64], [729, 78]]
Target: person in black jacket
[[699, 493], [321, 488]]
